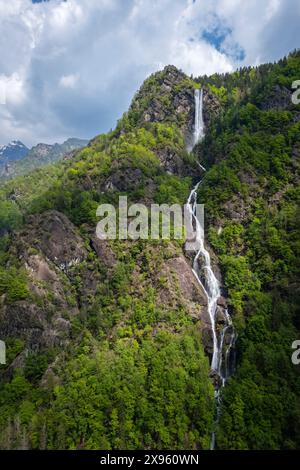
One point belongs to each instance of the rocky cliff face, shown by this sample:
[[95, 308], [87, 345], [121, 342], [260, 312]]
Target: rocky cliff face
[[211, 107], [47, 249], [279, 98], [168, 97]]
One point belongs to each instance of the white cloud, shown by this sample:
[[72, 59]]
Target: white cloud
[[200, 56], [12, 89], [71, 67], [69, 81]]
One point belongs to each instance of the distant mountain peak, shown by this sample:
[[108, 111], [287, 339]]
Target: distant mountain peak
[[17, 159], [13, 151], [17, 143]]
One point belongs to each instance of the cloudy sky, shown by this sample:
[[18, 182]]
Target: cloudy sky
[[70, 67]]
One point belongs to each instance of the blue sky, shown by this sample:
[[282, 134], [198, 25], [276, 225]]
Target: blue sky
[[70, 68]]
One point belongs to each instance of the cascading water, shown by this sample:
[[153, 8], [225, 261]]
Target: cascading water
[[199, 124], [223, 337]]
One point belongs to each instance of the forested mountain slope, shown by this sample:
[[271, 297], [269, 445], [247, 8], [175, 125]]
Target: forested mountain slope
[[106, 340]]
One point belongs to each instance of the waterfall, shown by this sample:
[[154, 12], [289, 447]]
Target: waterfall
[[221, 362], [199, 124], [210, 284]]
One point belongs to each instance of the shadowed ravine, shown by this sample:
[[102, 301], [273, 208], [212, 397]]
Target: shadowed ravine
[[222, 361]]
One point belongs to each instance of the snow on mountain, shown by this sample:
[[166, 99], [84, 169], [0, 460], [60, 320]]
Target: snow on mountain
[[13, 151]]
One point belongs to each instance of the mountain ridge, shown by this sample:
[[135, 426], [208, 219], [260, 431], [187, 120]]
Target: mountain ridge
[[106, 339], [39, 155]]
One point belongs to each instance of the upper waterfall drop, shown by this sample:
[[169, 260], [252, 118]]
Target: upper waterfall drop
[[199, 123]]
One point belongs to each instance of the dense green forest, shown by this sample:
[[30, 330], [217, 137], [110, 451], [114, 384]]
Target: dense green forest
[[105, 342], [253, 194]]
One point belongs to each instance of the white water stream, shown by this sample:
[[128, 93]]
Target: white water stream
[[223, 335]]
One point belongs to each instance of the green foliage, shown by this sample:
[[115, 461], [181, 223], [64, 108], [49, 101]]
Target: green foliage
[[220, 92], [10, 216], [253, 154], [134, 395], [172, 189], [185, 83], [35, 366], [13, 347], [13, 284], [133, 373]]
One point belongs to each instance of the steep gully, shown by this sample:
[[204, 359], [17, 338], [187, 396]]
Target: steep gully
[[223, 335]]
